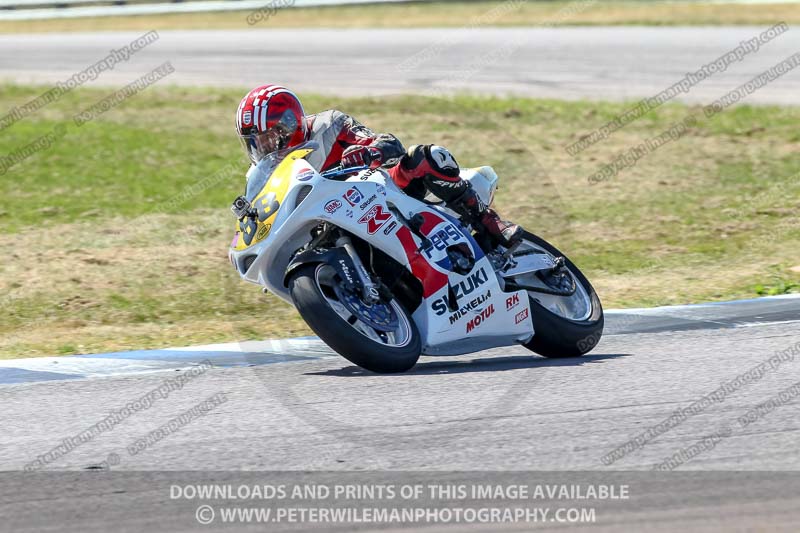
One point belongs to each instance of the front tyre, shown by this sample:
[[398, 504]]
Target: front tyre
[[380, 338], [565, 326]]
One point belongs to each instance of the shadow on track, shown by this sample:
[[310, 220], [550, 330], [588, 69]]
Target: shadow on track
[[487, 364]]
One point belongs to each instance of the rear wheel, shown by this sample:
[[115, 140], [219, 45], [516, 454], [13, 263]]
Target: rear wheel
[[565, 325], [379, 337]]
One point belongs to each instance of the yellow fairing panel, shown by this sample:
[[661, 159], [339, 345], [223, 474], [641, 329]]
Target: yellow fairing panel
[[251, 231]]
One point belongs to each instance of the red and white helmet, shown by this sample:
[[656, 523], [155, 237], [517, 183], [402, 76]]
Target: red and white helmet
[[269, 118]]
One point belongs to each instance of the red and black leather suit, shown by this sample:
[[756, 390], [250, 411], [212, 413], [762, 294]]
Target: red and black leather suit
[[421, 168]]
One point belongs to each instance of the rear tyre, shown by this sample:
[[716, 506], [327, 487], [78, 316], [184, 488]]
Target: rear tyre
[[560, 333], [317, 293]]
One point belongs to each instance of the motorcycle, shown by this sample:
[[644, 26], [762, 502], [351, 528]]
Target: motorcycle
[[383, 278]]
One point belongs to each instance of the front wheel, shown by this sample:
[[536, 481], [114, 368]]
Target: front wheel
[[565, 325], [380, 337]]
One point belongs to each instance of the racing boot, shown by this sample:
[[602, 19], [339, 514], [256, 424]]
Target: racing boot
[[470, 206]]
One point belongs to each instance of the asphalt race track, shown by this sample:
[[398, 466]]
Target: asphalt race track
[[603, 63], [502, 410]]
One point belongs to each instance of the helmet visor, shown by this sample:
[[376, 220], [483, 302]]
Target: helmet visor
[[257, 145]]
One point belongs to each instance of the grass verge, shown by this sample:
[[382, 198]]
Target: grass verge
[[115, 237], [440, 14]]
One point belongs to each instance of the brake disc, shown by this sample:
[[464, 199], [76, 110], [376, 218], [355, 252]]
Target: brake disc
[[380, 316]]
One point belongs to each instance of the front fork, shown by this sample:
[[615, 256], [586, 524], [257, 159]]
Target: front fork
[[369, 289]]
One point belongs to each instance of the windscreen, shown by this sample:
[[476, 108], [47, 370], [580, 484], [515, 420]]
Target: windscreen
[[259, 177]]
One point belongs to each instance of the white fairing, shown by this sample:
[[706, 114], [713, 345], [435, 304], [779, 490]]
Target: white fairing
[[483, 180], [482, 314]]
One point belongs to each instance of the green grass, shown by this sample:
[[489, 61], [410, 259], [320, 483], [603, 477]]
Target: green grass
[[442, 14], [92, 260]]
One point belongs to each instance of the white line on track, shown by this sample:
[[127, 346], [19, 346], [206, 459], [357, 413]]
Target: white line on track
[[734, 314]]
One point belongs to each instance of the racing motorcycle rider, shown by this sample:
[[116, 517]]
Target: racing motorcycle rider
[[270, 118]]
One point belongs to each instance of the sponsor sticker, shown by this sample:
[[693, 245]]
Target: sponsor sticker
[[522, 315], [388, 229], [439, 241], [366, 175], [353, 196], [460, 290], [512, 301], [368, 201], [375, 218], [346, 271], [472, 305], [333, 206], [263, 231], [480, 318], [305, 175]]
